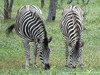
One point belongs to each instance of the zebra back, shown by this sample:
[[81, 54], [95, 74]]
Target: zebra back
[[71, 24], [29, 23], [76, 10], [32, 8]]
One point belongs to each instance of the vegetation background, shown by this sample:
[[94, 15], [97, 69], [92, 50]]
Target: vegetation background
[[12, 52]]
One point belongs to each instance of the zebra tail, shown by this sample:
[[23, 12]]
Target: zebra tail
[[10, 29]]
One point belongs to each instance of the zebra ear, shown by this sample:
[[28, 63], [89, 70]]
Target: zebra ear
[[81, 43], [50, 39]]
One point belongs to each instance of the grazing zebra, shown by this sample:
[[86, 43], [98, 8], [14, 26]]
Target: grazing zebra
[[30, 27], [71, 26]]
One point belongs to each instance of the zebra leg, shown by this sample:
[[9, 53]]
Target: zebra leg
[[27, 53], [81, 62], [35, 54], [75, 58], [69, 58], [67, 55]]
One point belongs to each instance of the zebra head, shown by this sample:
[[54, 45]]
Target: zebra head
[[45, 52]]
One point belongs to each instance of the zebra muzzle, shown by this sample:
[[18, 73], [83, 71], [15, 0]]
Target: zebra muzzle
[[46, 66]]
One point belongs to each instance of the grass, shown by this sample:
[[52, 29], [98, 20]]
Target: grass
[[12, 52]]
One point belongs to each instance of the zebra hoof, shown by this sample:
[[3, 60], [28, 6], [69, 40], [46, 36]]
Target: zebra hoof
[[82, 66], [46, 66]]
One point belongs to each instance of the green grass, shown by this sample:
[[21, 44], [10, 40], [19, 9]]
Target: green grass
[[12, 52]]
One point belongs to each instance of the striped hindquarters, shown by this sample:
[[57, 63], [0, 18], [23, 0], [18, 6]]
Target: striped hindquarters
[[71, 25], [29, 23]]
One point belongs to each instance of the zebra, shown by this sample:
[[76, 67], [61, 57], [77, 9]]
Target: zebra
[[71, 26], [30, 27]]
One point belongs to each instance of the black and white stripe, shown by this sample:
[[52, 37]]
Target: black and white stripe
[[71, 26], [30, 27]]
